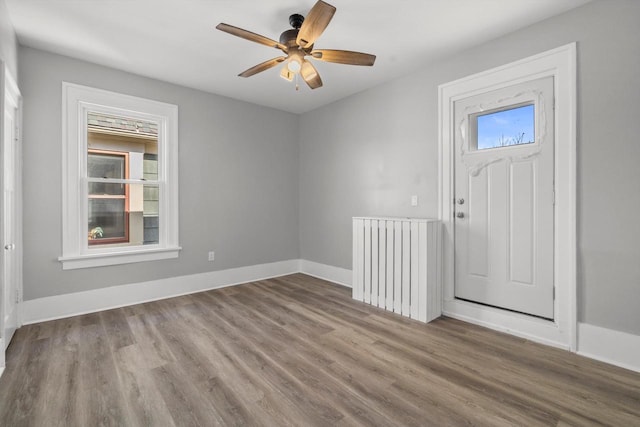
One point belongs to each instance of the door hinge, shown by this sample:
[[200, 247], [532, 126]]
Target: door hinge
[[553, 197], [554, 293]]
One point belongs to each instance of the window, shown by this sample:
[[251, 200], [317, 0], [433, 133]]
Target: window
[[504, 127], [120, 200]]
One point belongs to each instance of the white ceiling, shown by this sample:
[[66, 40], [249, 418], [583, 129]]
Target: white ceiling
[[176, 40]]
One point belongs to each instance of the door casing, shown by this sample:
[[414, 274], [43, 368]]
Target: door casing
[[561, 64], [9, 90]]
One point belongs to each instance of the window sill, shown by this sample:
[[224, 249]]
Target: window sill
[[124, 257]]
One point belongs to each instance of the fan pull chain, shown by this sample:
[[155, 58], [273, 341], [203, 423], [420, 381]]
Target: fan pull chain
[[296, 77]]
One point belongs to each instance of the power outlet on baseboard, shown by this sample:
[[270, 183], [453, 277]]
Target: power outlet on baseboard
[[212, 256]]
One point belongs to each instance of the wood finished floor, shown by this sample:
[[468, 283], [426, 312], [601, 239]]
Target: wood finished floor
[[297, 351]]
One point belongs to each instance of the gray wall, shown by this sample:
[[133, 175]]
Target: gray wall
[[8, 41], [238, 178], [366, 155]]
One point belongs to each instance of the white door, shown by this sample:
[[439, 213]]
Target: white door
[[504, 190], [10, 266]]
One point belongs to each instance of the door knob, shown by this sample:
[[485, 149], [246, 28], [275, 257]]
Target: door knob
[[9, 246], [460, 215], [460, 201]]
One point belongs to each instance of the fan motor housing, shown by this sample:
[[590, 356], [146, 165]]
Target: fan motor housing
[[288, 38]]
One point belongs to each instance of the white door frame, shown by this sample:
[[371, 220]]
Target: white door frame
[[9, 89], [561, 64]]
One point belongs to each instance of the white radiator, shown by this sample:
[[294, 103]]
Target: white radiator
[[395, 264]]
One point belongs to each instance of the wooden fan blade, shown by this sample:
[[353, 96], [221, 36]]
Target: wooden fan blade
[[262, 67], [248, 35], [310, 75], [343, 57], [314, 24]]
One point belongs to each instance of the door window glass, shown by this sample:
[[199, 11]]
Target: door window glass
[[505, 127]]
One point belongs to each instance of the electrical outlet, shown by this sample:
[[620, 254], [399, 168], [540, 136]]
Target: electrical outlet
[[414, 200], [212, 256]]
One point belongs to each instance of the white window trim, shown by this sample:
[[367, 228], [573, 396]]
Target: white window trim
[[561, 64], [76, 101]]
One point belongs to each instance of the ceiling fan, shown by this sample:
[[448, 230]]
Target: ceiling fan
[[297, 43]]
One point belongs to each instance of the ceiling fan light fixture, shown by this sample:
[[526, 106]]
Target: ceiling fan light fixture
[[286, 74], [294, 65]]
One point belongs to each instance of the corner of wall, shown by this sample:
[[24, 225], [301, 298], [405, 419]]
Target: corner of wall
[[338, 275], [8, 42], [609, 346]]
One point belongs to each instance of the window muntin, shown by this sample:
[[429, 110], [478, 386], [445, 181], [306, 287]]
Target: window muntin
[[514, 125]]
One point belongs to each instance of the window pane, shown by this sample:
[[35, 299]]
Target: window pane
[[122, 148], [107, 221], [150, 167], [504, 128], [119, 125], [151, 213], [104, 165], [144, 215]]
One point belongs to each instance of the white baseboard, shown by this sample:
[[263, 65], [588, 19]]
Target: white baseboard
[[609, 346], [338, 275], [67, 305]]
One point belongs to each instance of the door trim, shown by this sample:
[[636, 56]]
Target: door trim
[[561, 64], [9, 91], [16, 95]]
